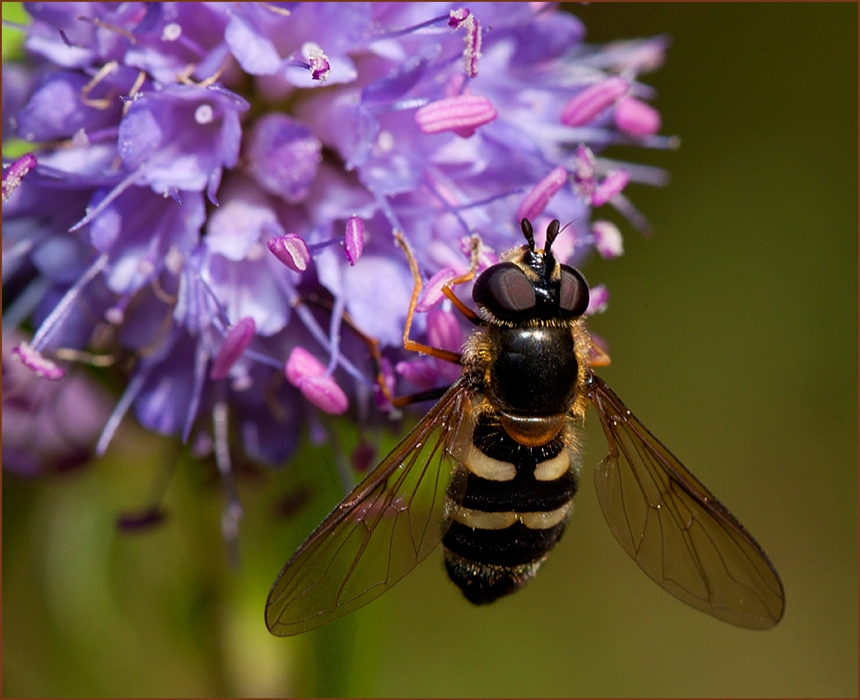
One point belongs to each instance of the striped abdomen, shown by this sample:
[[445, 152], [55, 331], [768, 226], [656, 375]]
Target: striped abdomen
[[516, 505]]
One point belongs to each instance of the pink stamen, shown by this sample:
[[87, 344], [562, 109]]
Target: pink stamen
[[291, 250], [325, 394], [14, 174], [421, 373], [472, 51], [611, 185], [235, 343], [607, 239], [306, 372], [457, 17], [538, 197], [33, 360], [636, 118], [301, 364], [583, 171], [353, 239], [587, 104], [319, 65], [462, 115], [598, 300], [433, 294]]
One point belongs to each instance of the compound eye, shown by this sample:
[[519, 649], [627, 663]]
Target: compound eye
[[573, 291], [504, 289]]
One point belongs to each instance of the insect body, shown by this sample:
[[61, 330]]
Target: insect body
[[525, 372], [491, 472]]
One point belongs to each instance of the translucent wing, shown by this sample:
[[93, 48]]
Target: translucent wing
[[674, 528], [389, 523]]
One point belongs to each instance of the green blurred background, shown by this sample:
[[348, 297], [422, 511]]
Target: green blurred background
[[733, 333]]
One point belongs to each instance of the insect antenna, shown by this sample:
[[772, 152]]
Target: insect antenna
[[529, 233], [551, 234]]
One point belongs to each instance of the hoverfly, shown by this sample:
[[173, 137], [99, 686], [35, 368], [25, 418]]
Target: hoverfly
[[491, 471]]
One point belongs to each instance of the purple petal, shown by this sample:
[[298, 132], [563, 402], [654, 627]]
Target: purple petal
[[377, 292], [164, 401], [255, 53], [180, 137], [252, 287], [444, 330], [235, 229], [138, 230], [283, 156], [57, 110]]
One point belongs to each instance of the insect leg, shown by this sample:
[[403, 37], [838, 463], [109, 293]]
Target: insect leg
[[467, 276], [408, 343], [599, 356]]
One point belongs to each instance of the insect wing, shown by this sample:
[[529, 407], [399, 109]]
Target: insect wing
[[389, 523], [675, 529]]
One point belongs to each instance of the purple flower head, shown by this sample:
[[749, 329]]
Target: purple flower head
[[213, 190]]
